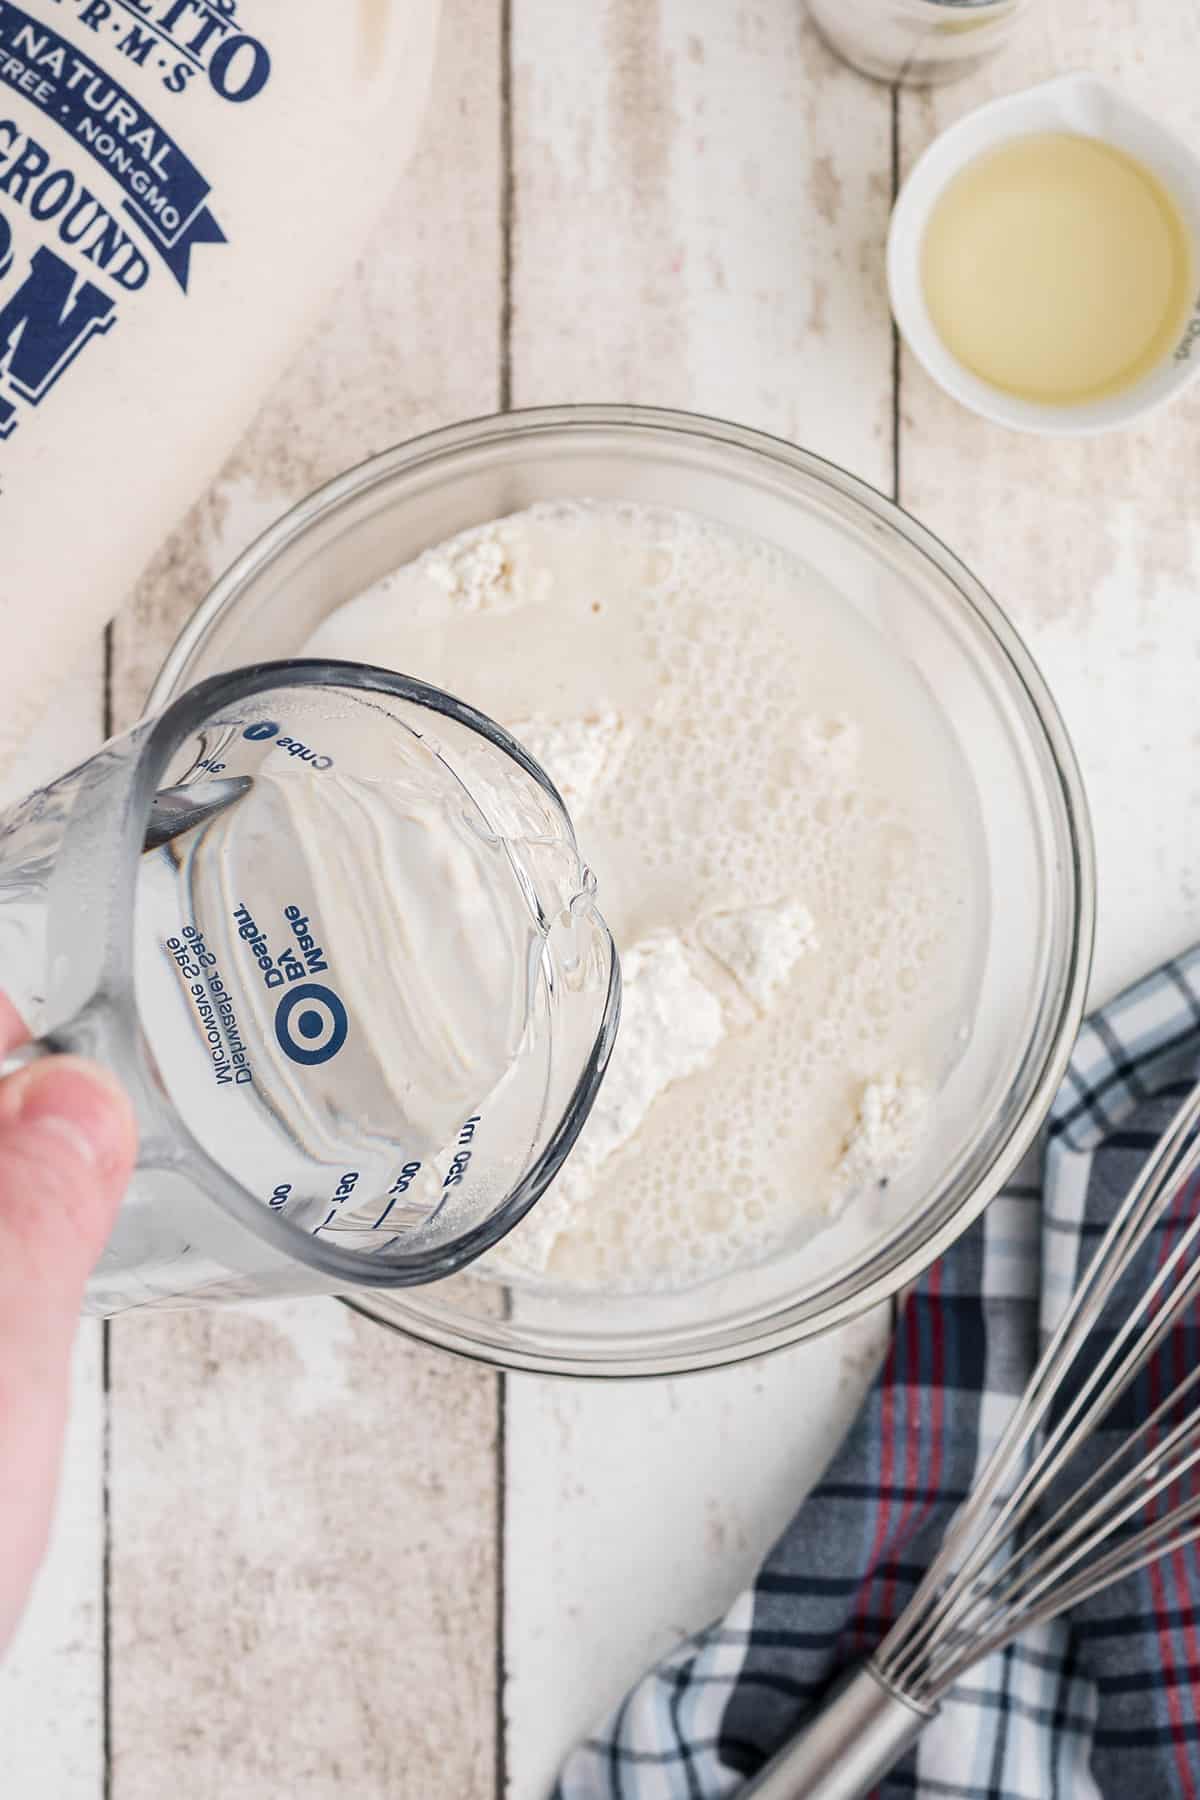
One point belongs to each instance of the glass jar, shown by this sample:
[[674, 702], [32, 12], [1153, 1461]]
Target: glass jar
[[921, 43]]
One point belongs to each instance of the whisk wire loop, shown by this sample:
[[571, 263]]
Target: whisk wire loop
[[983, 1587]]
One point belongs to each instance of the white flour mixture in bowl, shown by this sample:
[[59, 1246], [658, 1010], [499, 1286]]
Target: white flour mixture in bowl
[[787, 847]]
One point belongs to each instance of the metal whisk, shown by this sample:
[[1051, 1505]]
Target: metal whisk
[[1002, 1567]]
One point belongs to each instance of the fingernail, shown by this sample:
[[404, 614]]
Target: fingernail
[[75, 1101]]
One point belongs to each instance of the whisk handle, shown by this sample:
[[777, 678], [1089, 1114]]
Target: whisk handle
[[860, 1733]]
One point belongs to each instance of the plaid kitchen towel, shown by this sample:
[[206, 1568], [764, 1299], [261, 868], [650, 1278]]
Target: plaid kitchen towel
[[1103, 1703]]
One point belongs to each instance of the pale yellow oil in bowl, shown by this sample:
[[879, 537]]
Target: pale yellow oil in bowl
[[1058, 268]]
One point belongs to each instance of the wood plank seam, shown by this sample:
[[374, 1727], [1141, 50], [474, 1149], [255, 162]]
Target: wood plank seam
[[105, 1546], [107, 706], [508, 197], [894, 1302], [500, 1672], [896, 359]]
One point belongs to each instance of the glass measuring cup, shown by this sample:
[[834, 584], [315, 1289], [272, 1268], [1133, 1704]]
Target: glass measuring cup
[[332, 929]]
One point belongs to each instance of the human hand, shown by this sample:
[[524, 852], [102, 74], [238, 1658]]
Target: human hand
[[67, 1147]]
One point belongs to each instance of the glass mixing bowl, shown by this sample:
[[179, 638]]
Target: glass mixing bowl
[[1038, 880]]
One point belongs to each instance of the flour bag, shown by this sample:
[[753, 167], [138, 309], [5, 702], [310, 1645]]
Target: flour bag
[[183, 184]]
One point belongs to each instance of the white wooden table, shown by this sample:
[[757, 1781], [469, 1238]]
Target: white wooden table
[[294, 1557]]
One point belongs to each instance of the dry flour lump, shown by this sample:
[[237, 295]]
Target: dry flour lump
[[891, 1115], [671, 1026], [577, 754], [672, 1023], [483, 570], [760, 945]]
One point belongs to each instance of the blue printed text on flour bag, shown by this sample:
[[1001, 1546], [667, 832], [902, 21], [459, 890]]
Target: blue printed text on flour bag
[[64, 291]]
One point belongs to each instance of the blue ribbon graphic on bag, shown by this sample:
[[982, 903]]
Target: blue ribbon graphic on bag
[[166, 193]]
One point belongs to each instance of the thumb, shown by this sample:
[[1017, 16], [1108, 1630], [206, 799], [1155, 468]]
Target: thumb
[[67, 1146]]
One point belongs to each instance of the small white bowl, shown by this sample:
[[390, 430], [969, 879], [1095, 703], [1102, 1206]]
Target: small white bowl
[[1088, 107]]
